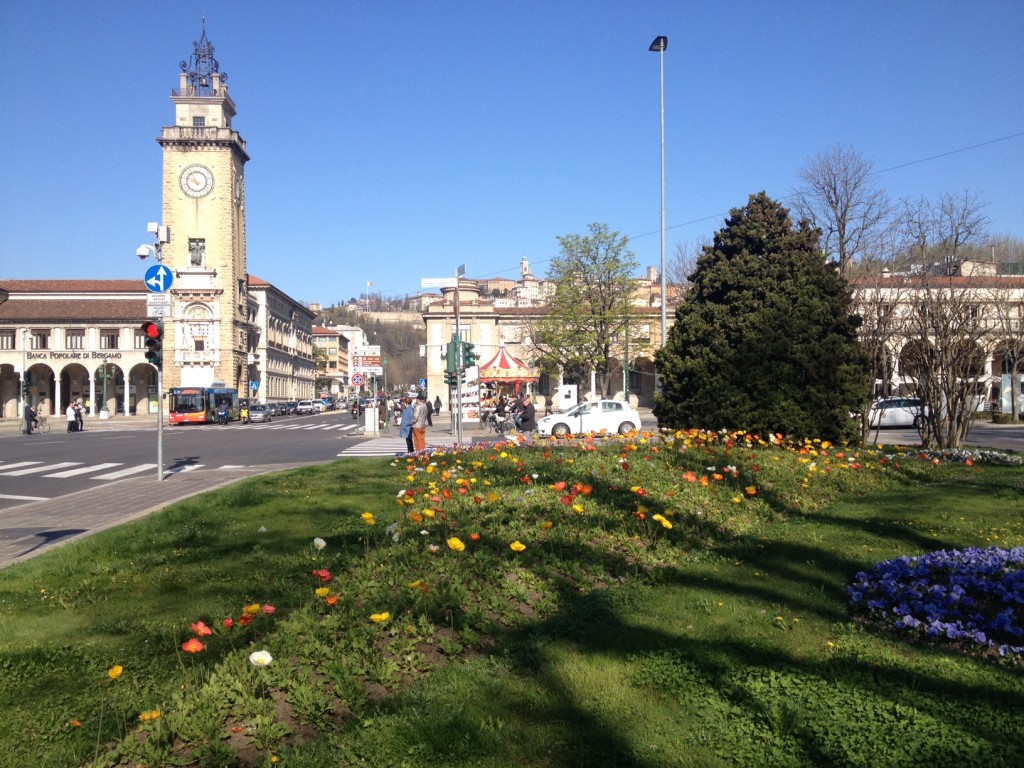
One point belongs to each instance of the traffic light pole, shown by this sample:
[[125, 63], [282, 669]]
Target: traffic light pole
[[160, 423]]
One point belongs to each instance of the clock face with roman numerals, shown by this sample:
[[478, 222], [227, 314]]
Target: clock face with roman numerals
[[196, 181]]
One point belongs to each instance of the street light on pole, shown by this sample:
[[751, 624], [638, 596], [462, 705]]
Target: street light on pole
[[660, 44]]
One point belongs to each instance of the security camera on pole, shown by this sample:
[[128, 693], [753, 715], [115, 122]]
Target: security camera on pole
[[158, 306]]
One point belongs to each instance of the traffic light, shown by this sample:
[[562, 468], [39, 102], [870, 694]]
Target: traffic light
[[450, 378], [24, 388], [154, 333], [452, 357], [468, 355]]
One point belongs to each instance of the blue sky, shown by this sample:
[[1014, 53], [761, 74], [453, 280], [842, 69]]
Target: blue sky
[[392, 141]]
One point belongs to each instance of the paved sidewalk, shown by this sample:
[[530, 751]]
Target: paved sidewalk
[[30, 529]]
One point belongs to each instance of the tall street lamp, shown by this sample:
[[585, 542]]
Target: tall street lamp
[[105, 374], [660, 44]]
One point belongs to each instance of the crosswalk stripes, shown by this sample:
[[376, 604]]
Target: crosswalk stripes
[[66, 469], [381, 446], [127, 472], [308, 427]]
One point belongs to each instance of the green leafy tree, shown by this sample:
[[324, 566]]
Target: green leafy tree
[[590, 312], [765, 339]]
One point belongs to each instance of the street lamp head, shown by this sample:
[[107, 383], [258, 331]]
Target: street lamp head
[[660, 44]]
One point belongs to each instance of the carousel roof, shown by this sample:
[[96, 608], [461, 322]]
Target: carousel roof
[[504, 367]]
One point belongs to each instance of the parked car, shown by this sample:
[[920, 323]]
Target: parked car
[[609, 416], [291, 407], [318, 406], [895, 412], [275, 409], [304, 406], [259, 414], [328, 403]]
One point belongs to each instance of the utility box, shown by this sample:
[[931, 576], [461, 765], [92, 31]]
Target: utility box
[[565, 397]]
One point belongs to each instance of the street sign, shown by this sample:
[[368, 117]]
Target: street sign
[[158, 305], [366, 359], [357, 379], [159, 278], [438, 282]]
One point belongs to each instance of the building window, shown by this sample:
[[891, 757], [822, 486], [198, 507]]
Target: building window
[[140, 339], [40, 340], [197, 251], [198, 122], [200, 344], [108, 339], [6, 340], [74, 339]]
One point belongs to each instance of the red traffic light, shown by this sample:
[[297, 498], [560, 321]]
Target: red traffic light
[[152, 330]]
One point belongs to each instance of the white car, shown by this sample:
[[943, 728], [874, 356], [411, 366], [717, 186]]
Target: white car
[[609, 416], [895, 412]]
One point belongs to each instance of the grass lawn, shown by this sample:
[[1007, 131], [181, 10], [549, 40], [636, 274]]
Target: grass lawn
[[647, 603]]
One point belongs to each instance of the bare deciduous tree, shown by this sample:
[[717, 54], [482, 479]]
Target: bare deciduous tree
[[840, 198], [945, 318]]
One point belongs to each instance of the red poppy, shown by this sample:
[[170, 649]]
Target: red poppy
[[331, 600], [201, 629], [245, 619], [229, 623], [323, 574], [192, 645]]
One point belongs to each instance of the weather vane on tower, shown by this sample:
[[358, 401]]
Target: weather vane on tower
[[203, 66]]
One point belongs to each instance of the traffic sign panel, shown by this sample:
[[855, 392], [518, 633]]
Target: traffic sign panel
[[159, 278], [357, 379], [438, 282]]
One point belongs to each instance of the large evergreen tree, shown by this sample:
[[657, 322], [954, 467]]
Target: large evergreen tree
[[765, 340]]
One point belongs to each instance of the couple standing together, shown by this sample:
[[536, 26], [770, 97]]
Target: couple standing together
[[413, 426], [74, 414]]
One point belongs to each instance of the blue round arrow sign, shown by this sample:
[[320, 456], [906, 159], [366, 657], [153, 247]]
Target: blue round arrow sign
[[159, 278]]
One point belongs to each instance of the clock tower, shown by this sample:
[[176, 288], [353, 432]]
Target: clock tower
[[210, 336]]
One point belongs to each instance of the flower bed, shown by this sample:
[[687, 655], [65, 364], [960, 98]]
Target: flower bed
[[972, 597]]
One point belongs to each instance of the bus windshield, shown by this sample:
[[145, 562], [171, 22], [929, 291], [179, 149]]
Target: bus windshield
[[187, 403]]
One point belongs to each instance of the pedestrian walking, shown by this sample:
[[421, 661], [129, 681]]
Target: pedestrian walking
[[528, 416], [419, 422], [405, 425], [69, 412], [437, 405], [429, 409], [79, 416]]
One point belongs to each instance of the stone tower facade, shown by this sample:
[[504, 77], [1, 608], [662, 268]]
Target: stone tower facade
[[209, 338]]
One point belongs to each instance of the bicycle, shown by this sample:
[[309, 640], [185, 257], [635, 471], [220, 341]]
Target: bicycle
[[503, 425], [41, 424]]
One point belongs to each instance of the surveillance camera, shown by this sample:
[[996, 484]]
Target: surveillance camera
[[142, 252]]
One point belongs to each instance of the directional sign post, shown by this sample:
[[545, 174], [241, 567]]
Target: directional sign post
[[438, 282], [159, 278]]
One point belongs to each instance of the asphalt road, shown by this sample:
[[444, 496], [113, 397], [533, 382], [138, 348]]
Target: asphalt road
[[1003, 437], [54, 464]]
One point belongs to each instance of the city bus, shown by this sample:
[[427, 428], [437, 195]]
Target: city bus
[[199, 405]]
